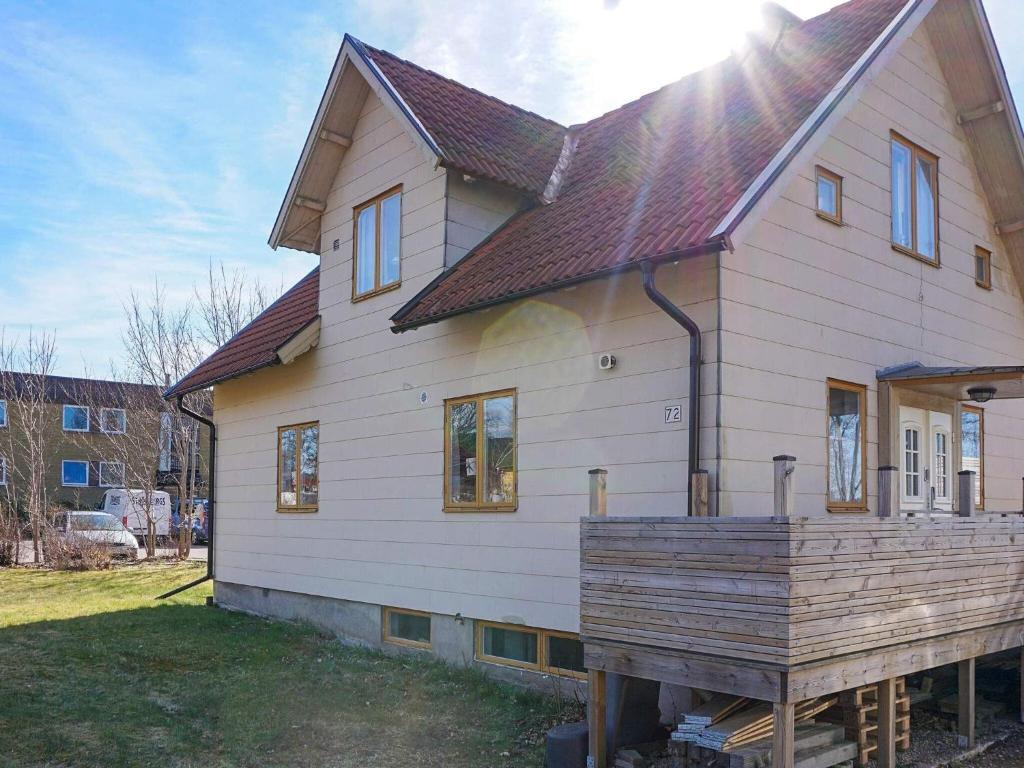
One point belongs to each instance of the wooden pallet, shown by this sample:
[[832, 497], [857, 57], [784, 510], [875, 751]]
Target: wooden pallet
[[858, 713]]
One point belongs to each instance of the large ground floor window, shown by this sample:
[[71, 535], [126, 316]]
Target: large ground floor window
[[543, 650]]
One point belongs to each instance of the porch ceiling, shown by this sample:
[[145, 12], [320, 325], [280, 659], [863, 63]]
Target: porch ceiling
[[954, 382]]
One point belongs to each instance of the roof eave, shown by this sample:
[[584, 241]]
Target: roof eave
[[714, 245]]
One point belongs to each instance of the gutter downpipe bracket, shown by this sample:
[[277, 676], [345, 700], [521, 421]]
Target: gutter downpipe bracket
[[688, 324], [210, 501]]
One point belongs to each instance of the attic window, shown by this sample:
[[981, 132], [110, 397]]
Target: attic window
[[830, 195], [983, 267], [915, 200], [377, 263]]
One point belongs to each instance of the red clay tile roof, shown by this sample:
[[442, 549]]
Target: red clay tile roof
[[477, 133], [656, 176], [256, 345]]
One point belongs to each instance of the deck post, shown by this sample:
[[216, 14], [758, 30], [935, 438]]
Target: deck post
[[784, 499], [598, 492], [887, 505], [1022, 683], [965, 706], [597, 711], [784, 735], [886, 755], [699, 489], [965, 507]]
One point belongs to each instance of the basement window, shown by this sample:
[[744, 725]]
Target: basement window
[[829, 195], [915, 200], [540, 650], [983, 267], [298, 456], [847, 445], [377, 263], [406, 627]]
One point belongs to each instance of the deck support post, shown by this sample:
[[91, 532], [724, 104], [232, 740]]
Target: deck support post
[[1022, 683], [699, 489], [965, 707], [886, 754], [887, 504], [598, 492], [784, 735], [597, 712], [784, 498], [965, 504]]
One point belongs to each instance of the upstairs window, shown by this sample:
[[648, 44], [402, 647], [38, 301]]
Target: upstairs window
[[3, 470], [915, 200], [480, 453], [830, 195], [113, 421], [298, 456], [847, 446], [377, 265], [76, 418], [3, 413], [983, 267]]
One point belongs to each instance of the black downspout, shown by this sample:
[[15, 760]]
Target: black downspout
[[210, 501], [693, 454]]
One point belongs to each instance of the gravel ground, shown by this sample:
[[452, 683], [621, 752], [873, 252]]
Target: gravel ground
[[933, 743], [1008, 753]]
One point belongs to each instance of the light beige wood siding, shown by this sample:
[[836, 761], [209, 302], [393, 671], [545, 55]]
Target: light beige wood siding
[[475, 209], [380, 535], [804, 300]]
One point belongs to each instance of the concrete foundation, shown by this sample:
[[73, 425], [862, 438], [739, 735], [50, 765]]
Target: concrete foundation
[[361, 624]]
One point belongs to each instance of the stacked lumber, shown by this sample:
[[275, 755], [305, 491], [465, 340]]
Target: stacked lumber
[[730, 724], [857, 712], [716, 709], [816, 745]]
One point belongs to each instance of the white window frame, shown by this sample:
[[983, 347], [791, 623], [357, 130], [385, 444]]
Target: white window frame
[[74, 461], [947, 460], [3, 413], [64, 419], [3, 470], [906, 497], [124, 417], [104, 464]]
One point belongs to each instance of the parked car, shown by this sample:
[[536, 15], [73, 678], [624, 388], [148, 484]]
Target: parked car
[[100, 529], [129, 506], [199, 524]]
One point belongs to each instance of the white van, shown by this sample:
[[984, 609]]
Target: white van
[[129, 506]]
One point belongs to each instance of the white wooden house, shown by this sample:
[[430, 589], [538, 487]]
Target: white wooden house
[[502, 303]]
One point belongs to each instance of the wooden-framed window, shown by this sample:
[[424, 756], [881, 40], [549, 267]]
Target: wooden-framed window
[[480, 453], [972, 448], [847, 445], [76, 418], [111, 474], [74, 473], [829, 194], [915, 200], [983, 267], [113, 421], [298, 467], [377, 245], [542, 650], [403, 626]]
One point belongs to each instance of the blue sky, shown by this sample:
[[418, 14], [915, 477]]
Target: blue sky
[[140, 140]]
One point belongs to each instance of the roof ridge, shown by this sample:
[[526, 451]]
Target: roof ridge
[[372, 50]]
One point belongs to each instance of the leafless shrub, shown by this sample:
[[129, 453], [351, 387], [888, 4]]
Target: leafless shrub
[[72, 553]]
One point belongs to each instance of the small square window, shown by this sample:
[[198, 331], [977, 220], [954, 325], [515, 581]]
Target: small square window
[[983, 267], [405, 627], [829, 195], [113, 421], [111, 474], [76, 418], [74, 473]]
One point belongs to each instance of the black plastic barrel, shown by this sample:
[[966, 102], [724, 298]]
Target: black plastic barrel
[[567, 745]]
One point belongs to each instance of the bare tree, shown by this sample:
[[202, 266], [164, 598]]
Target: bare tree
[[25, 371], [227, 303]]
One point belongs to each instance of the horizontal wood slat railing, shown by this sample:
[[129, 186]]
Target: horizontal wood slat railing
[[795, 590]]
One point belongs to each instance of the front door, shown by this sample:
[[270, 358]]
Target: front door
[[926, 477]]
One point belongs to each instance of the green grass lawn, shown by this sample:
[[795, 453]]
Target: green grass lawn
[[95, 672]]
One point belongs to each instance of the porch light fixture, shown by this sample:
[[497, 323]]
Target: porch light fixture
[[981, 394]]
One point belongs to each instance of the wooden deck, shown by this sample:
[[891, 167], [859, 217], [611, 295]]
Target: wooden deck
[[790, 591]]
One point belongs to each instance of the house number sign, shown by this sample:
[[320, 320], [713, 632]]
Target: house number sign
[[673, 413]]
